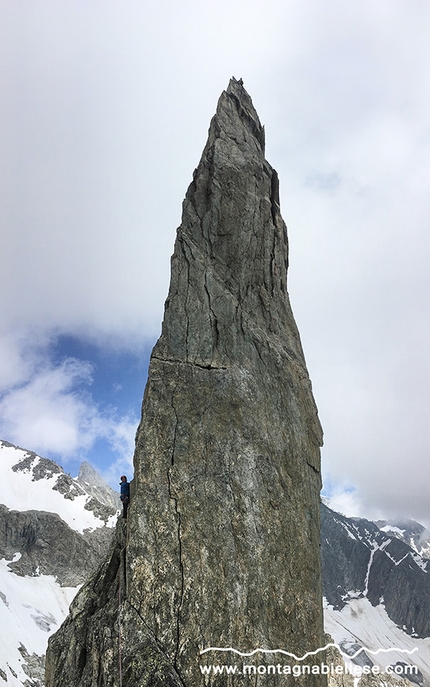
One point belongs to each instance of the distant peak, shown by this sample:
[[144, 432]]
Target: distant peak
[[86, 471]]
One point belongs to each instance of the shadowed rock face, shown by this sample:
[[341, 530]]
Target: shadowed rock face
[[48, 546], [360, 560], [223, 532]]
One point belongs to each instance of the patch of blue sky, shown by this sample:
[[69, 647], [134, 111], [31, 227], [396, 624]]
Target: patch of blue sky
[[118, 375], [118, 379], [331, 488]]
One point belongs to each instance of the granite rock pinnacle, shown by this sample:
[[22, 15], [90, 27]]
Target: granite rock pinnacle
[[222, 541]]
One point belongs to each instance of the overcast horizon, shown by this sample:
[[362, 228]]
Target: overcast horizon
[[104, 114]]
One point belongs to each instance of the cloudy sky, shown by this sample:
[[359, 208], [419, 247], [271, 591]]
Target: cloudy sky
[[104, 112]]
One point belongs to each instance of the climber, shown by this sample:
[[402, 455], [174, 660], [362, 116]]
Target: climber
[[125, 495]]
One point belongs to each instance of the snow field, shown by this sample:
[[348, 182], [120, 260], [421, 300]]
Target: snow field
[[31, 609], [371, 627], [18, 491]]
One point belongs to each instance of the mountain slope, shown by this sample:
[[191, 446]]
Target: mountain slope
[[376, 589], [54, 529], [30, 482], [410, 532]]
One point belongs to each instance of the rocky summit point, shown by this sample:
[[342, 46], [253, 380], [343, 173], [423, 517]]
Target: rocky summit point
[[221, 549]]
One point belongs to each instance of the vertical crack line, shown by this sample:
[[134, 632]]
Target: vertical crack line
[[273, 267], [239, 318], [178, 520], [187, 263], [274, 197], [275, 210], [213, 319]]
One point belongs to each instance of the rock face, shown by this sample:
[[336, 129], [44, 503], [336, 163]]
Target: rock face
[[377, 591], [223, 531], [361, 560], [411, 532], [48, 546]]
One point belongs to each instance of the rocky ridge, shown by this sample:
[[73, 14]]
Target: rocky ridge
[[359, 559], [53, 533], [377, 594], [222, 547], [410, 532]]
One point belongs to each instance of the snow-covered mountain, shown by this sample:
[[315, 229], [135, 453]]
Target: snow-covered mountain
[[377, 593], [409, 531], [54, 530]]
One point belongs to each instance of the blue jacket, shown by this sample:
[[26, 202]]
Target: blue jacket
[[125, 490]]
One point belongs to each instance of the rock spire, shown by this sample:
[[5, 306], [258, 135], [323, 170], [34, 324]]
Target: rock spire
[[222, 547]]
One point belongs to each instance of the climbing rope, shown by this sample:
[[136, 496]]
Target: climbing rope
[[119, 630]]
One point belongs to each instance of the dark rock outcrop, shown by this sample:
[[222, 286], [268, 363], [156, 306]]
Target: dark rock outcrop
[[359, 559], [91, 629], [409, 531], [223, 530], [48, 546]]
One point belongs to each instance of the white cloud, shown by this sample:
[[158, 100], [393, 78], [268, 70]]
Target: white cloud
[[47, 407], [47, 413], [14, 366], [106, 111], [345, 501], [122, 466]]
